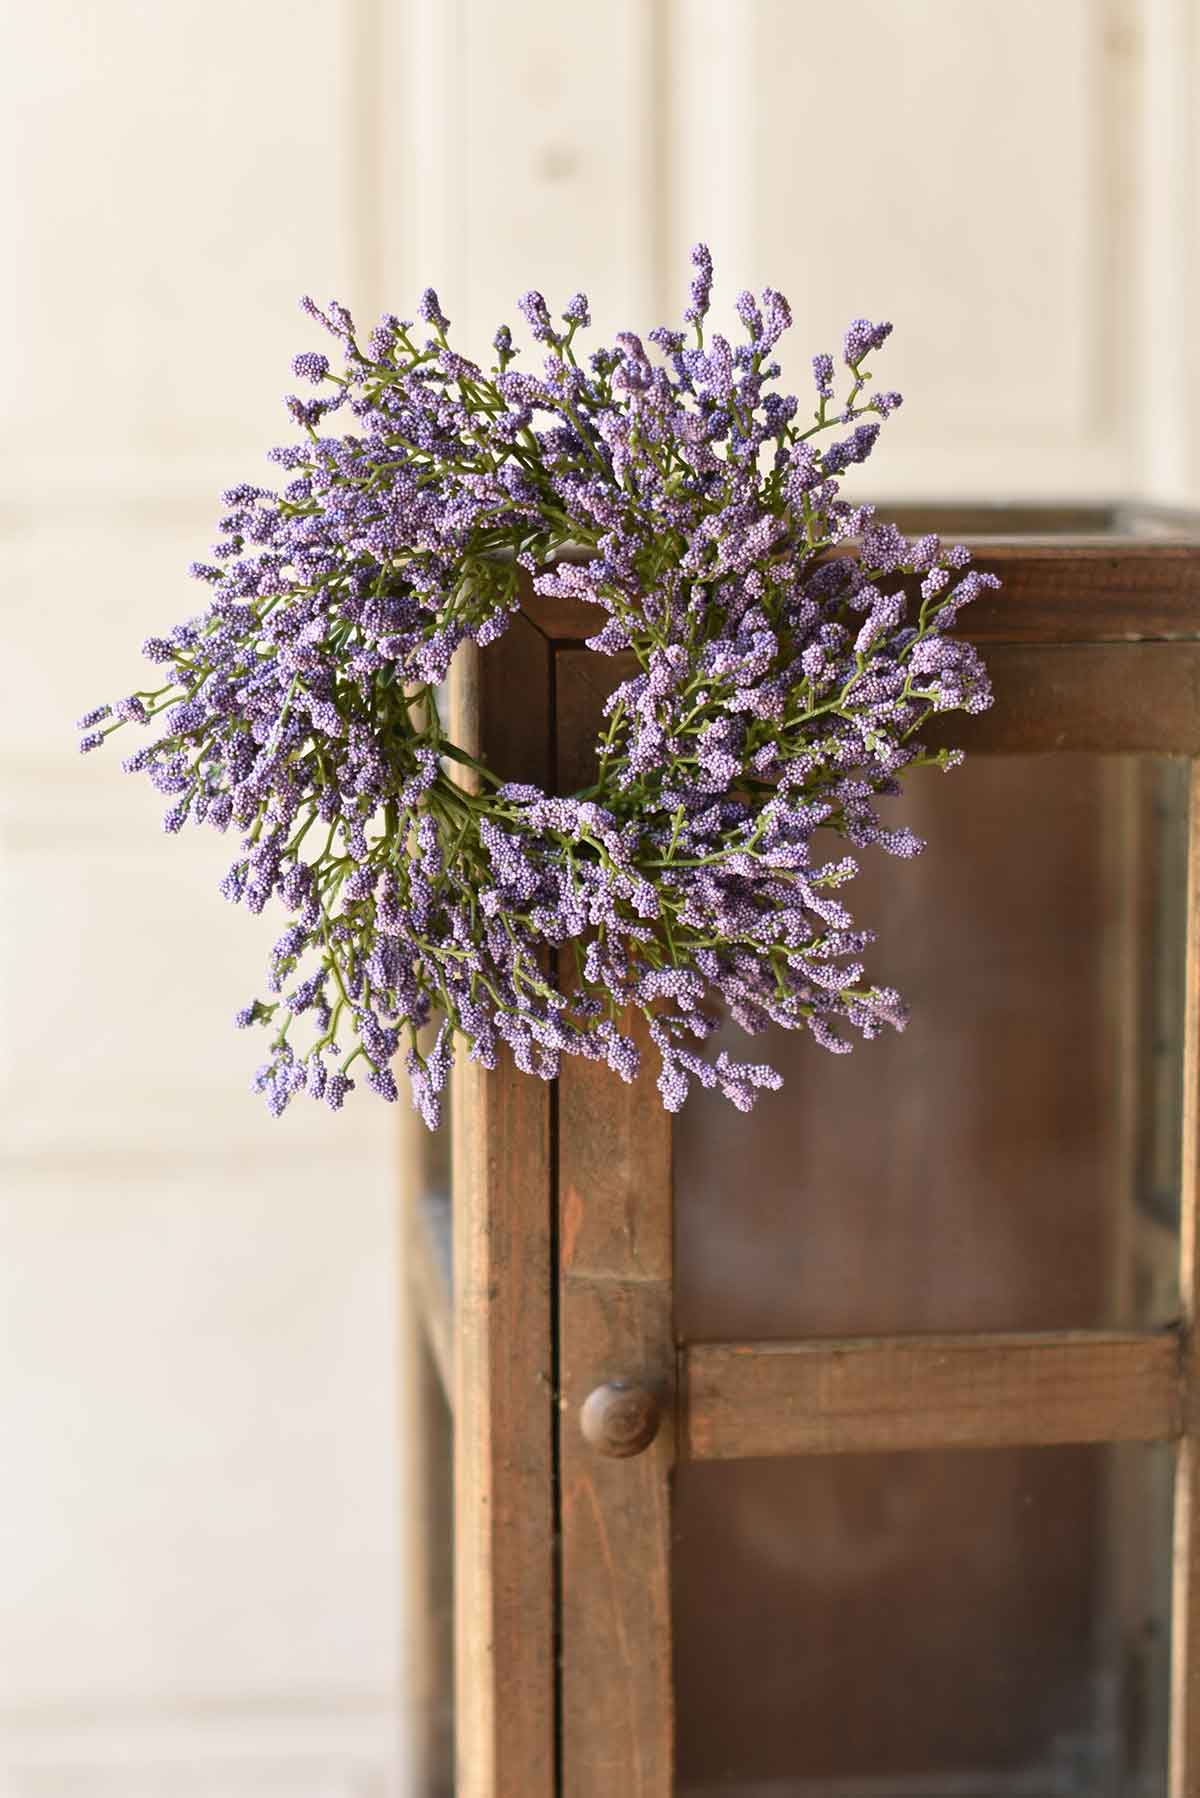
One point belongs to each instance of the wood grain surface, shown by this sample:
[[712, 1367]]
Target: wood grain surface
[[743, 1400], [615, 1322], [504, 1520], [1185, 1596], [1126, 698]]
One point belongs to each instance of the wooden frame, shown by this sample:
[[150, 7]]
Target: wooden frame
[[745, 1400], [1185, 1622], [615, 1318], [562, 1232], [503, 1374]]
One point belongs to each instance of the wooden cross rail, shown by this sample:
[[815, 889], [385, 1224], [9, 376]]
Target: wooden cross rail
[[741, 1400], [1141, 586]]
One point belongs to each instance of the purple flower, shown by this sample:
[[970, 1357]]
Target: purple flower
[[429, 309], [861, 338], [383, 1082], [310, 367], [335, 1090], [700, 296], [747, 310], [777, 317], [537, 317]]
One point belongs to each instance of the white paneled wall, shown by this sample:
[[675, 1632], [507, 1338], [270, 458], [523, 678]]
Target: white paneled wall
[[1167, 262], [198, 1511], [962, 170], [526, 150]]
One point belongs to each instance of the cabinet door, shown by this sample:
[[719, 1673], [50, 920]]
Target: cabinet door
[[911, 1332]]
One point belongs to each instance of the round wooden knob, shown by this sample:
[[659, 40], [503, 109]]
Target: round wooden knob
[[619, 1419]]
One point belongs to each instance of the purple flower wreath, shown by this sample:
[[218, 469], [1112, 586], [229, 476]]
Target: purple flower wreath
[[782, 689]]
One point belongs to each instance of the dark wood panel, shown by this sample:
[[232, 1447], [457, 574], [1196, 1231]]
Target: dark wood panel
[[429, 1254], [1087, 592], [1141, 697], [740, 1401], [977, 1171], [921, 1624], [501, 1185], [585, 681], [973, 1174], [561, 620], [1005, 1784], [1185, 1630]]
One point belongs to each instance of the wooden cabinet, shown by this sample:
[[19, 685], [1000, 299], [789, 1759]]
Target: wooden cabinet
[[834, 1450]]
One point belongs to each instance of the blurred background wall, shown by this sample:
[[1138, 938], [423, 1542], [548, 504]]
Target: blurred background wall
[[200, 1561]]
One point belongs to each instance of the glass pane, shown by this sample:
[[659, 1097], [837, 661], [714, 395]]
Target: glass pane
[[1012, 1160], [431, 1148], [429, 1563], [426, 1156], [429, 1572], [950, 1625]]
